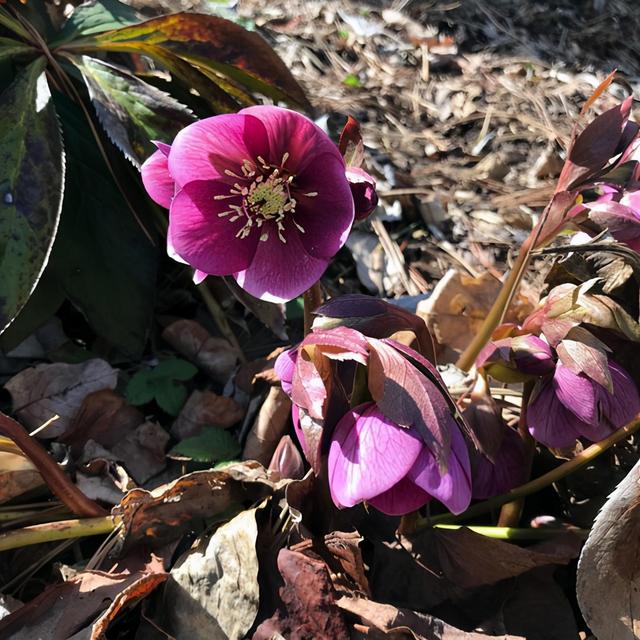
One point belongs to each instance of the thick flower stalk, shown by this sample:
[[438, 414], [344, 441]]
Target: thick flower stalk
[[379, 414], [261, 195]]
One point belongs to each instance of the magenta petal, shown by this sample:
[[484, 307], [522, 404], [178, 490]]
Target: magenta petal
[[404, 497], [199, 276], [206, 148], [206, 241], [280, 271], [548, 420], [327, 216], [157, 180], [368, 455], [624, 404], [285, 366], [576, 392], [452, 488], [289, 132]]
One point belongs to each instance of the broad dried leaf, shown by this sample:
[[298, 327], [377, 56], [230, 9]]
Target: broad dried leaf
[[158, 516], [31, 186], [213, 591], [17, 476], [46, 390], [609, 564], [270, 425], [214, 43], [309, 607], [132, 112], [205, 408], [215, 356], [64, 610]]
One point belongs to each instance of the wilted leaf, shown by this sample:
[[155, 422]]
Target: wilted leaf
[[17, 476], [309, 602], [609, 568], [95, 16], [142, 451], [205, 408], [42, 392], [269, 426], [158, 516], [215, 356], [213, 43], [212, 444], [344, 547], [213, 591], [66, 609], [31, 186], [132, 112]]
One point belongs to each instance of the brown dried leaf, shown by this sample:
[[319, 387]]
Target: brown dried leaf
[[64, 610], [309, 602], [213, 591], [161, 515], [459, 304], [609, 564], [17, 476], [205, 408], [215, 356], [46, 390], [345, 548], [269, 426]]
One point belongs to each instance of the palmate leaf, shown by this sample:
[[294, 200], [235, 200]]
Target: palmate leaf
[[215, 44], [131, 111], [31, 186]]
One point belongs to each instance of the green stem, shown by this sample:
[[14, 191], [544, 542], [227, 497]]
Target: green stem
[[563, 470], [52, 531], [13, 25], [513, 533]]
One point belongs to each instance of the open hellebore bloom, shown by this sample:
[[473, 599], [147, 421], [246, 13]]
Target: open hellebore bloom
[[397, 449], [261, 195], [569, 405]]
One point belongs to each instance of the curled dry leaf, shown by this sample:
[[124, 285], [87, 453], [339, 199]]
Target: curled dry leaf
[[161, 515], [309, 607], [17, 476], [404, 623], [459, 304], [205, 408], [64, 610], [46, 390], [213, 591], [609, 564], [269, 426], [345, 548], [215, 356]]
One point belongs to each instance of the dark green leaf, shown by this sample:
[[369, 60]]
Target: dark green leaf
[[10, 48], [210, 445], [171, 397], [213, 43], [132, 112], [175, 369], [103, 260], [96, 16], [31, 186], [141, 388]]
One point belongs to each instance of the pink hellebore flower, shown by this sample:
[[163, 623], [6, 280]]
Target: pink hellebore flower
[[373, 459], [569, 405], [261, 195]]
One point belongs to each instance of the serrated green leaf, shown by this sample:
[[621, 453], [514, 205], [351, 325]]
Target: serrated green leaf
[[96, 16], [103, 260], [175, 369], [170, 396], [210, 445], [132, 112], [31, 186]]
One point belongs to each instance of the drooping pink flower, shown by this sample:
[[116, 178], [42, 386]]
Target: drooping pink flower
[[373, 459], [261, 195], [569, 405]]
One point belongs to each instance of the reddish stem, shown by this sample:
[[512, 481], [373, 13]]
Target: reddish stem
[[52, 474]]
